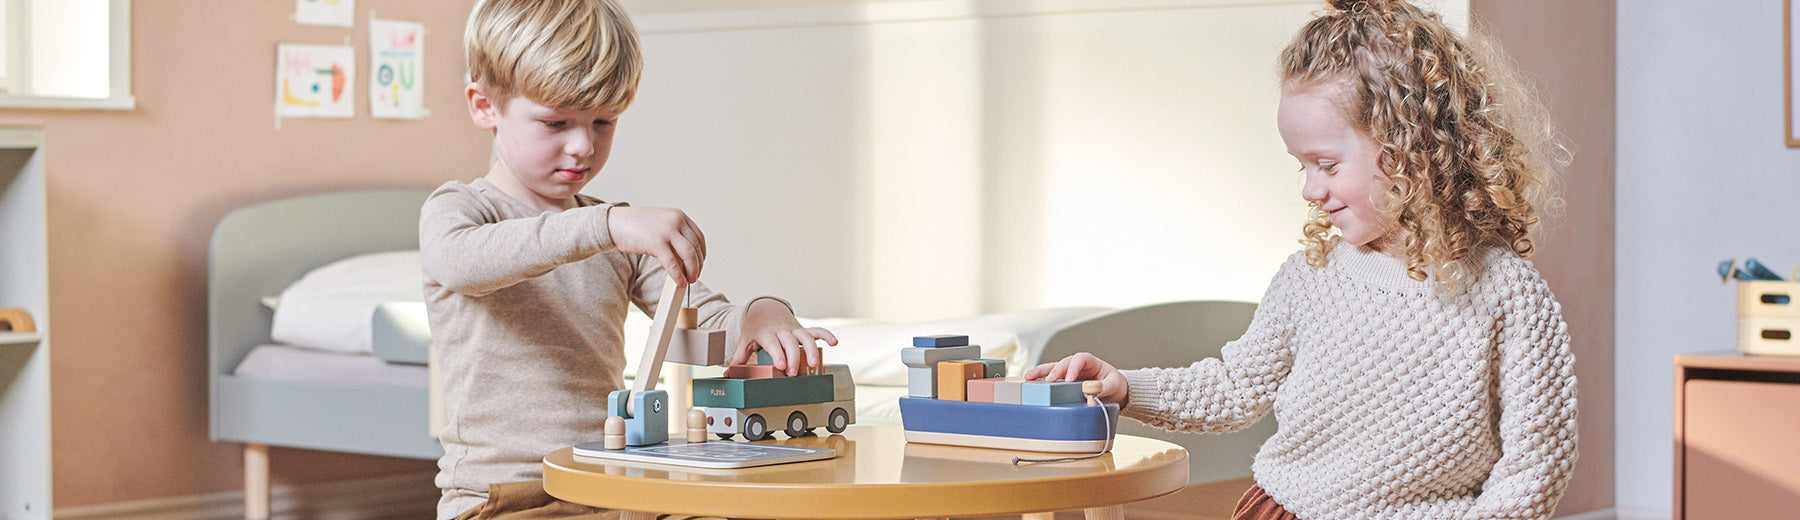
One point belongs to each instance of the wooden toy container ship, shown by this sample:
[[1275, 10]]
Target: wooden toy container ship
[[956, 398]]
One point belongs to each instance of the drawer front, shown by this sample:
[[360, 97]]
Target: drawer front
[[1741, 455]]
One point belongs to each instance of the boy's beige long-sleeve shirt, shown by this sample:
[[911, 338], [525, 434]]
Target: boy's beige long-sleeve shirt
[[527, 311], [1392, 402]]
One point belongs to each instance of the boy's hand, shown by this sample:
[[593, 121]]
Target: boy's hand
[[769, 326], [664, 233], [1081, 367]]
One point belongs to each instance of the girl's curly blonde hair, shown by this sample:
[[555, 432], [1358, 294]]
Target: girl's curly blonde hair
[[1462, 143]]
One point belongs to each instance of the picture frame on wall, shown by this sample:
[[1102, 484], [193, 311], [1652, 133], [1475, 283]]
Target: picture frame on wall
[[1788, 53]]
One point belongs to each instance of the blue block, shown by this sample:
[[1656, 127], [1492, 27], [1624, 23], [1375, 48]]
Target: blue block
[[1040, 393], [921, 382], [942, 340], [762, 358], [651, 425], [994, 368]]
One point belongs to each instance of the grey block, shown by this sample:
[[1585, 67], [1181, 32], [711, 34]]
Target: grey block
[[1007, 392], [928, 357]]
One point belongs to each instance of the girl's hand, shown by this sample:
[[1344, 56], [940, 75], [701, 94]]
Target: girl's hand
[[1081, 367], [769, 326], [664, 233]]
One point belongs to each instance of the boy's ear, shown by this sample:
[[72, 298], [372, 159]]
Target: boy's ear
[[482, 109]]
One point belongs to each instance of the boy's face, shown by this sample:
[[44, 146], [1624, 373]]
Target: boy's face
[[1342, 174], [551, 153]]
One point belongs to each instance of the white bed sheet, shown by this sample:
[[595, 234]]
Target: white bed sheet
[[288, 363]]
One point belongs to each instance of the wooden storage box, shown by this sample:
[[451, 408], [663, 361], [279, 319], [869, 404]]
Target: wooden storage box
[[1768, 317]]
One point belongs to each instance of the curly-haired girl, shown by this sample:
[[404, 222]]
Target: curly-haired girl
[[1417, 365]]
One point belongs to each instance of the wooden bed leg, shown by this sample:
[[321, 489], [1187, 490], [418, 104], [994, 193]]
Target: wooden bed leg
[[256, 481]]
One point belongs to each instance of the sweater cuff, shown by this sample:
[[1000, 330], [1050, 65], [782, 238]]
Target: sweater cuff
[[603, 228], [1143, 394]]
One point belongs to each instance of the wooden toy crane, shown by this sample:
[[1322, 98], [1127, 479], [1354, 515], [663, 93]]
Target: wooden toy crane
[[643, 409]]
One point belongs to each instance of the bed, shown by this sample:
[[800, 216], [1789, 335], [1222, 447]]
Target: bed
[[264, 393]]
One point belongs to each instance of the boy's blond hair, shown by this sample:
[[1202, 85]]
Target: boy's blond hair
[[559, 53], [1465, 149]]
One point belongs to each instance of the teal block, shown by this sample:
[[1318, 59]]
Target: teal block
[[1040, 393], [928, 357], [993, 368], [762, 358], [757, 393]]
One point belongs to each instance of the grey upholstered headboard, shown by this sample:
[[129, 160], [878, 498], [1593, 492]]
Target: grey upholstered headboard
[[257, 250]]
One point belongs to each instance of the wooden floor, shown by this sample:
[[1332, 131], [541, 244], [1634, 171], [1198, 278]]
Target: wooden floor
[[1206, 501]]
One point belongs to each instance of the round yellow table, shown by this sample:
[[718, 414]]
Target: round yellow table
[[877, 474]]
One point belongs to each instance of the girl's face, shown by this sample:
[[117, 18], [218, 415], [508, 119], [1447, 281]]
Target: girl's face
[[1342, 176]]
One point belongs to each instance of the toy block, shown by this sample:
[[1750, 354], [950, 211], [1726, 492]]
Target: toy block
[[646, 415], [701, 347], [752, 372], [941, 340], [811, 352], [1006, 391], [1044, 393], [954, 375], [687, 318], [993, 368], [981, 390], [720, 392], [921, 382], [762, 358], [929, 357]]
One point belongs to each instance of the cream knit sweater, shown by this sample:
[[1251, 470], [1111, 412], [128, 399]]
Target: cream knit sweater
[[1391, 401]]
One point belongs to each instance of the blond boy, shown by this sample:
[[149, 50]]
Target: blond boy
[[528, 282]]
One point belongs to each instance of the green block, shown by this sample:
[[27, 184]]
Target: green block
[[757, 393]]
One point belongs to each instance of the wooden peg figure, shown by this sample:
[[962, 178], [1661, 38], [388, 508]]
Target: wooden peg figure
[[696, 425], [1091, 389], [689, 318], [615, 433]]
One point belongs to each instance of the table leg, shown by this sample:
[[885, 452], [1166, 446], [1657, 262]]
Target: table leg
[[1106, 513], [635, 515], [1038, 516]]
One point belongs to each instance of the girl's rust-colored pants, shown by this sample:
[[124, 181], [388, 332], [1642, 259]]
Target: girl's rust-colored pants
[[1256, 505]]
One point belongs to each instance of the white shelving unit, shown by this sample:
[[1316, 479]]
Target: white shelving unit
[[24, 356]]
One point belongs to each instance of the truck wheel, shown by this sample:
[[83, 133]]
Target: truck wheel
[[796, 425], [840, 420], [725, 436], [755, 428]]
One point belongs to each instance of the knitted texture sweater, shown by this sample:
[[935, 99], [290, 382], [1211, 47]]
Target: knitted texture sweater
[[1391, 401], [527, 311]]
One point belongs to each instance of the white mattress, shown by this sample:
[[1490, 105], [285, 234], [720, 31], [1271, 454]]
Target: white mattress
[[285, 363]]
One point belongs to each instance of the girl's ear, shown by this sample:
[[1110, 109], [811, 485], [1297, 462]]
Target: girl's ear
[[482, 109]]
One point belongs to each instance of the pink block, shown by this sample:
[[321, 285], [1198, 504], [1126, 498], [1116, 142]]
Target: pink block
[[753, 372], [982, 390]]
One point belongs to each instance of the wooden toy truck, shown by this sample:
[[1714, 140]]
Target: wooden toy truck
[[796, 404]]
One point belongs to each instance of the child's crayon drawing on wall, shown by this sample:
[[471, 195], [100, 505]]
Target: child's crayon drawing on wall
[[336, 13], [315, 81], [396, 63]]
